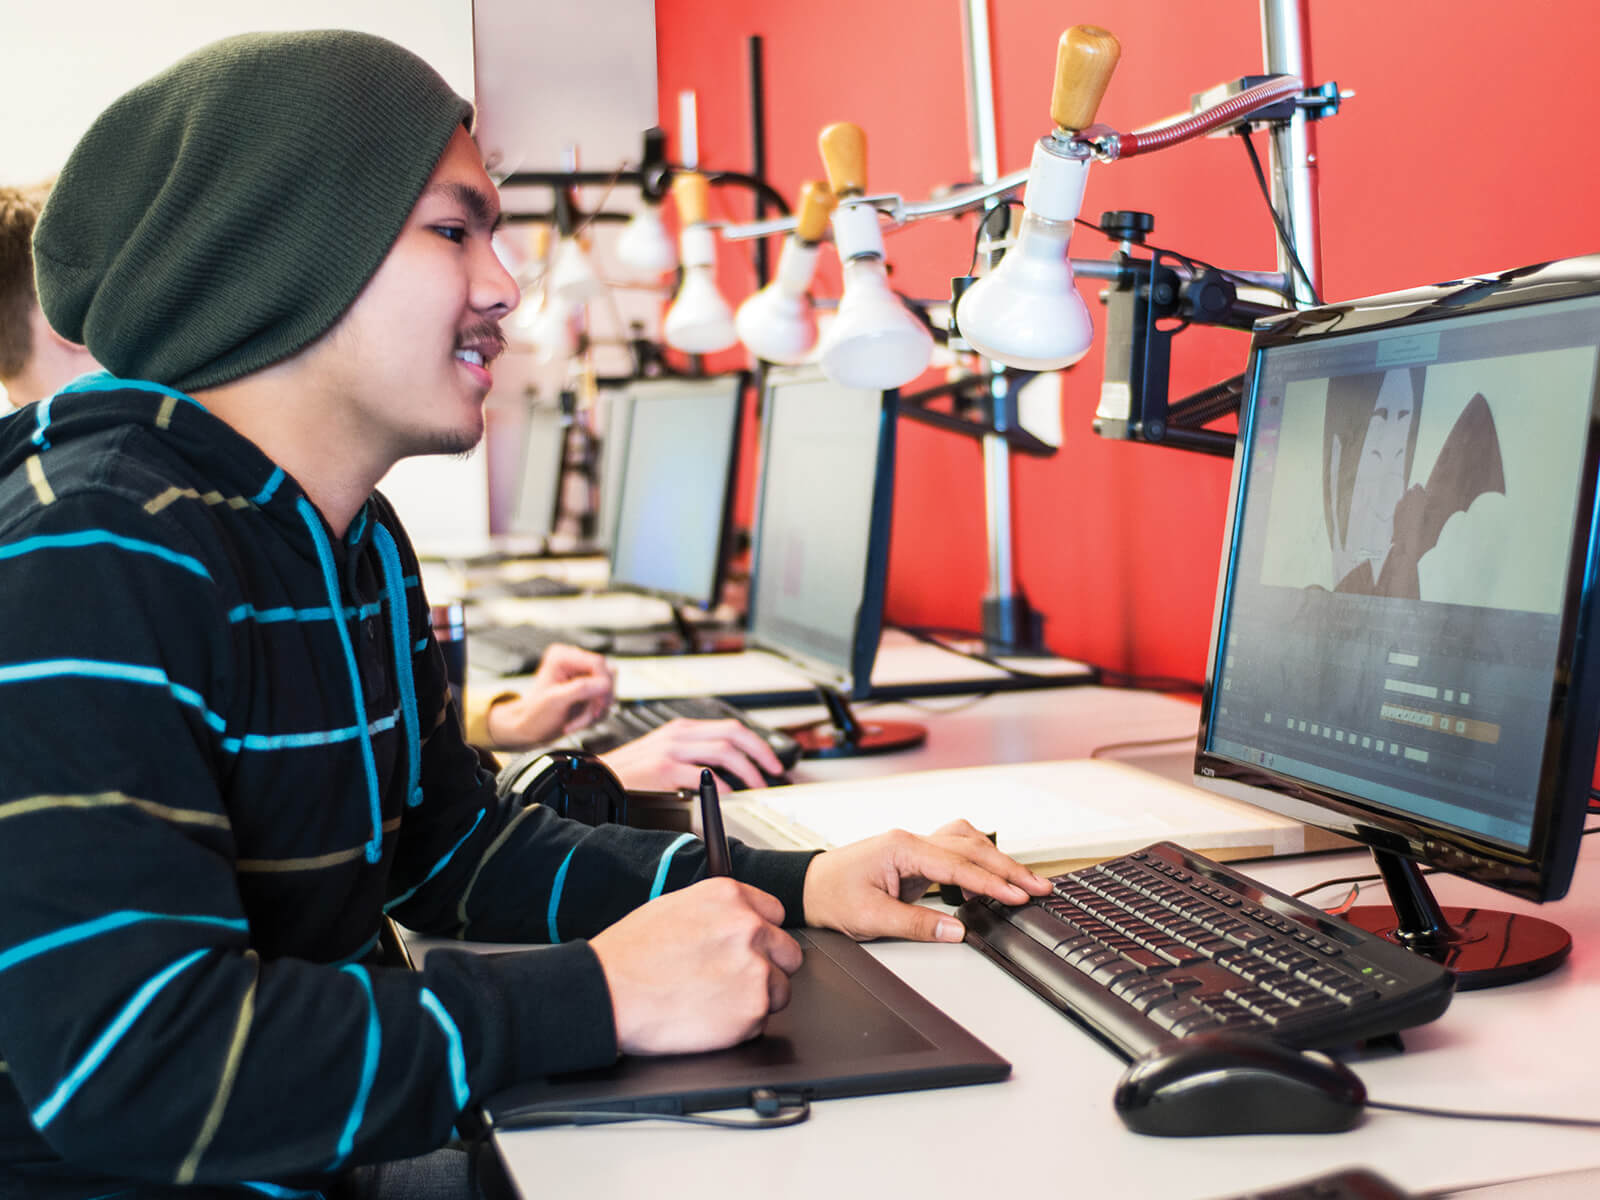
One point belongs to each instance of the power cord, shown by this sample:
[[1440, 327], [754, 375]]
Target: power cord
[[1145, 743], [1464, 1115], [1284, 239]]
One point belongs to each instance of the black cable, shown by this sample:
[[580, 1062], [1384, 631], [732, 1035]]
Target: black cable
[[1100, 751], [1461, 1115], [1283, 234], [983, 224]]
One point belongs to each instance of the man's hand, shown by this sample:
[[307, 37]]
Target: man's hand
[[572, 688], [865, 889], [672, 756], [697, 969]]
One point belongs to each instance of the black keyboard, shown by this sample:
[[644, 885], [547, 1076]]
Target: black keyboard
[[632, 719], [1163, 943], [517, 649]]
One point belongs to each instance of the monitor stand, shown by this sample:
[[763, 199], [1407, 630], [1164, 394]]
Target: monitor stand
[[1482, 947], [844, 735], [685, 628]]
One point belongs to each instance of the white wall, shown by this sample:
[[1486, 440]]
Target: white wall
[[64, 62]]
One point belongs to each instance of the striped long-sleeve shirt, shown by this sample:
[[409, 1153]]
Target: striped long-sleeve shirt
[[225, 752]]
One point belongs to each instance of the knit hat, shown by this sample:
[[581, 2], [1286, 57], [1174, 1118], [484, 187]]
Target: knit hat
[[224, 214]]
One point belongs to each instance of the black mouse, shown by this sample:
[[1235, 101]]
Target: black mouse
[[1215, 1083]]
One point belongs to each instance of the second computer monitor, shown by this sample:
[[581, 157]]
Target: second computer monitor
[[677, 482], [539, 484], [821, 548]]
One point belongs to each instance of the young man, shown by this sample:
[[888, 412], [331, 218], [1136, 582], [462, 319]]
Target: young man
[[229, 746], [34, 359]]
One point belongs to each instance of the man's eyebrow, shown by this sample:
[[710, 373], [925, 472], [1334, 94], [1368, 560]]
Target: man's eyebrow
[[478, 203]]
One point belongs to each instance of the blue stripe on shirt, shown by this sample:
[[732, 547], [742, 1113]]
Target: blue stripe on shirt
[[107, 1041], [458, 1056], [103, 537], [555, 895], [440, 865], [88, 668], [268, 616], [666, 862], [369, 1070], [69, 934]]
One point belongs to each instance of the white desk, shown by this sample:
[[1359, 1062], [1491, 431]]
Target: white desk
[[1050, 1131]]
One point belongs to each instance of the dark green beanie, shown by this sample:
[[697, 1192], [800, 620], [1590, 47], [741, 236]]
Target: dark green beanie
[[223, 215]]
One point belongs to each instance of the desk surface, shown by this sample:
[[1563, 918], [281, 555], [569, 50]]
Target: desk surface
[[1521, 1048], [1050, 1130]]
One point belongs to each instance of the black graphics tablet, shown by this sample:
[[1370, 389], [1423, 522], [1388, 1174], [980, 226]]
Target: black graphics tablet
[[852, 1028]]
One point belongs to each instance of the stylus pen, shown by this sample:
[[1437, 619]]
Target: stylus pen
[[715, 837]]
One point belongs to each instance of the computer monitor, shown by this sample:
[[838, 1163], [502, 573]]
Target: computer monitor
[[615, 418], [1403, 648], [820, 546], [544, 447], [677, 485]]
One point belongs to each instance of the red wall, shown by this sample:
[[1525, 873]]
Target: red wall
[[1448, 161]]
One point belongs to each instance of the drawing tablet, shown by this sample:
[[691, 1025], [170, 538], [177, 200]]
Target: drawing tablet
[[852, 1028]]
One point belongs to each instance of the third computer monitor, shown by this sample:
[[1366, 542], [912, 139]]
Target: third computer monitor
[[677, 481]]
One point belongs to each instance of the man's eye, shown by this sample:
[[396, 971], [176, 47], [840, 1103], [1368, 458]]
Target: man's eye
[[452, 233]]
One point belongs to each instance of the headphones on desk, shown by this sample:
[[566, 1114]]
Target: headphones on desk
[[573, 783]]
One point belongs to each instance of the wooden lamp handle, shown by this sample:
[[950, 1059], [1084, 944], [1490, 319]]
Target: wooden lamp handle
[[691, 194], [1085, 58], [816, 205], [844, 154]]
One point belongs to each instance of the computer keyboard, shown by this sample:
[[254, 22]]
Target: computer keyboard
[[1163, 943], [517, 649], [632, 719]]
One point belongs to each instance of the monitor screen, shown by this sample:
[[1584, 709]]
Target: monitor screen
[[821, 539], [677, 481], [615, 417], [1402, 643], [544, 447]]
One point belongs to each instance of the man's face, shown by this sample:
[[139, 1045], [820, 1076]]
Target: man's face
[[408, 365]]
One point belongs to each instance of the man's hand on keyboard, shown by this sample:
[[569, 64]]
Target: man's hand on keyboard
[[672, 756], [572, 688], [866, 889]]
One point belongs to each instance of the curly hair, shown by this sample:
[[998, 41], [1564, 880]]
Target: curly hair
[[19, 209]]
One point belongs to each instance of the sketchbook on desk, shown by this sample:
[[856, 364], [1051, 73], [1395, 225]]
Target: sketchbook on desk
[[1052, 816]]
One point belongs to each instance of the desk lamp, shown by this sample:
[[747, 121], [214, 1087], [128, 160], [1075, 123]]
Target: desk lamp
[[699, 320], [777, 323], [644, 247], [873, 341], [1027, 312]]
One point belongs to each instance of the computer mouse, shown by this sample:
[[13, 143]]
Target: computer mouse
[[1220, 1083]]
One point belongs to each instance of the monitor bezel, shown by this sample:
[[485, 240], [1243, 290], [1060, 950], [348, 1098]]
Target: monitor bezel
[[540, 412], [618, 403], [868, 630], [642, 391], [1543, 870]]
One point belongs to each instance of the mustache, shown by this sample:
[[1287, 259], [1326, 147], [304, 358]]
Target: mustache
[[486, 335]]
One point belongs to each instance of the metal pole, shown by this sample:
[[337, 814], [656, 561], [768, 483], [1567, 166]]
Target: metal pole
[[1001, 610], [1293, 154]]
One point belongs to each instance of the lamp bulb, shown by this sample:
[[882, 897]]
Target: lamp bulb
[[777, 323], [644, 246], [873, 342], [1027, 312], [699, 320]]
